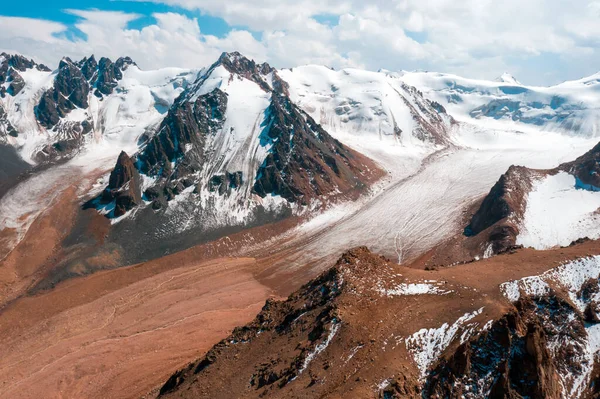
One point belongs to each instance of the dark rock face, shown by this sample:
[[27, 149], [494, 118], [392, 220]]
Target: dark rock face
[[6, 128], [109, 74], [506, 198], [88, 67], [512, 359], [16, 83], [304, 161], [70, 91], [186, 123], [10, 66], [586, 169], [123, 186], [494, 207]]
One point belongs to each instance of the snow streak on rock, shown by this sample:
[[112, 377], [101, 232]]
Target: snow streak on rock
[[427, 344]]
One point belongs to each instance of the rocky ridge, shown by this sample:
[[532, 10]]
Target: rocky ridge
[[330, 339]]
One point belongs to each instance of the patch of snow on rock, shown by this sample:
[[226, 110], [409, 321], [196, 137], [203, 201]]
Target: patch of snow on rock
[[415, 289], [427, 344]]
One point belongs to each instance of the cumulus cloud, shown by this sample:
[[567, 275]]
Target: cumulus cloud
[[540, 41]]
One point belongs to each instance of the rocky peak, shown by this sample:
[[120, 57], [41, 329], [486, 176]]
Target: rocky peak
[[109, 74], [123, 171], [300, 327], [70, 91], [10, 66], [498, 204], [304, 161], [88, 67], [123, 63], [21, 63], [495, 223], [236, 63], [123, 186]]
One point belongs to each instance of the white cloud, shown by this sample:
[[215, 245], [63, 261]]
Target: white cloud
[[28, 28], [533, 39]]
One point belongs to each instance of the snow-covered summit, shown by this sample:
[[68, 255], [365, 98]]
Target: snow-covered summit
[[507, 78], [569, 108]]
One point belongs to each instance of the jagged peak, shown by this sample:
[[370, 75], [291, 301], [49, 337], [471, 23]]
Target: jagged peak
[[121, 63], [236, 62], [65, 61], [21, 63], [124, 62], [507, 78]]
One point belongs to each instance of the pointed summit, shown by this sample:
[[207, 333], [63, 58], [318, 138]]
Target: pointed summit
[[507, 78]]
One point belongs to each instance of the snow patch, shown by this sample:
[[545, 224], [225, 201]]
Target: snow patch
[[559, 213], [415, 289]]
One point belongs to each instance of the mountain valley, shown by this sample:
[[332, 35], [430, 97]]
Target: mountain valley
[[413, 234]]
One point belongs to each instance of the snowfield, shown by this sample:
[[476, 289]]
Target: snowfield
[[558, 213], [570, 108]]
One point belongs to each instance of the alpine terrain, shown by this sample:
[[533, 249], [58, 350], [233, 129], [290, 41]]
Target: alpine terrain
[[240, 230]]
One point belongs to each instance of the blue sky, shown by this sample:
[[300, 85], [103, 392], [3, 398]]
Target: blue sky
[[55, 10], [540, 42]]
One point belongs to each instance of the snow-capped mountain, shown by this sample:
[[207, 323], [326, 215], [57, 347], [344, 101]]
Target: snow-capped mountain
[[569, 108], [232, 151], [381, 109], [47, 115], [282, 171], [237, 141]]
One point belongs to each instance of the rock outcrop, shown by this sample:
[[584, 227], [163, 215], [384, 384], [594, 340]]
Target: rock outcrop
[[123, 187], [73, 84], [510, 360], [497, 218], [282, 344], [70, 91], [304, 161], [6, 128]]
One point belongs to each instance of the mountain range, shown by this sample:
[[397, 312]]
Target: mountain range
[[129, 194]]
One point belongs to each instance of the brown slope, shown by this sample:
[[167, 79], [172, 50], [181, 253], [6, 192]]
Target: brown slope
[[358, 336]]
